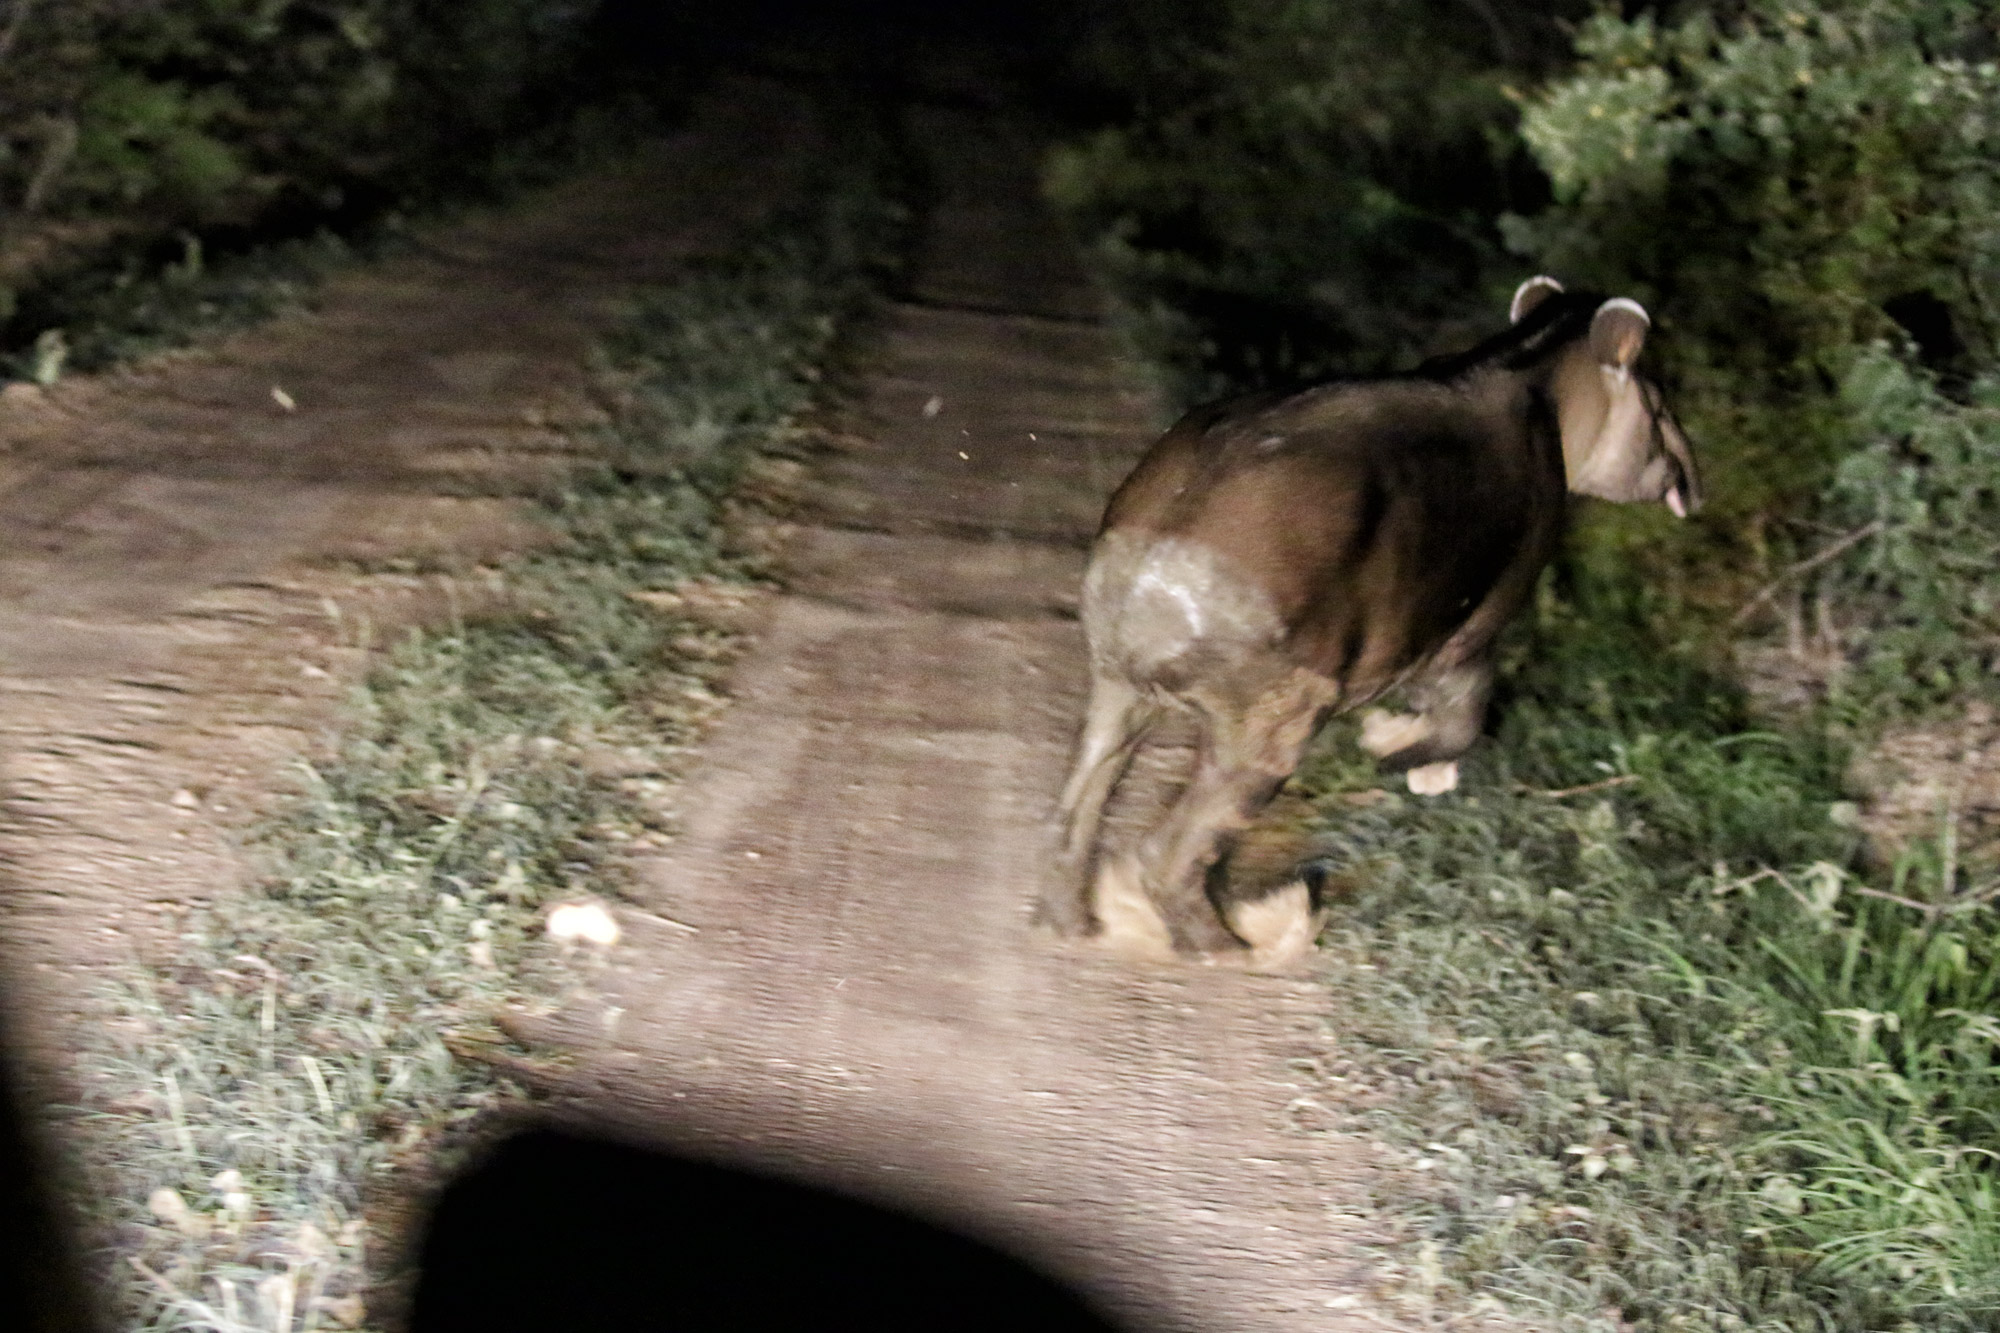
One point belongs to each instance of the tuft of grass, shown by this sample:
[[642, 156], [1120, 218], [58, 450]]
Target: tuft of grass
[[267, 1093]]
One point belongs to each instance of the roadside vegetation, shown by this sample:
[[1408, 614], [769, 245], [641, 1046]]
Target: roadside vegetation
[[170, 169], [1685, 1009], [269, 1100]]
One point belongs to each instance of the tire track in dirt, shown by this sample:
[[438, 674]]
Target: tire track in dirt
[[830, 973], [172, 537]]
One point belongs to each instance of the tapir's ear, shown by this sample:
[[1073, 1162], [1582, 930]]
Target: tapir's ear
[[1531, 294], [1618, 331]]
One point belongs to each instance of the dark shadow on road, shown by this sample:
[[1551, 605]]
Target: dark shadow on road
[[552, 1231]]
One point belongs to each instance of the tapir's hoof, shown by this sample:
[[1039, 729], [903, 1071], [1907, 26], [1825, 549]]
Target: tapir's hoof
[[1281, 927], [1129, 922], [1434, 779]]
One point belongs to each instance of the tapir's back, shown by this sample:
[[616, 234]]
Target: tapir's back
[[1372, 517]]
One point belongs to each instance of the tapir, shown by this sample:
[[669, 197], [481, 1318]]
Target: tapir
[[1281, 558]]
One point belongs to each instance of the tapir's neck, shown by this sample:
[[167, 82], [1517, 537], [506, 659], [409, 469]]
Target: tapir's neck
[[1579, 386], [1567, 382]]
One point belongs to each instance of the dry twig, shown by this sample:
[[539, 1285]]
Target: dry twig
[[1805, 566], [1561, 792], [1958, 902]]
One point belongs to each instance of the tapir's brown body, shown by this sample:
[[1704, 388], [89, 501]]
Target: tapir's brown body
[[1278, 559]]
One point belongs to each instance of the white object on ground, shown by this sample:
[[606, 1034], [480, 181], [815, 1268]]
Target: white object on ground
[[589, 922], [1434, 779]]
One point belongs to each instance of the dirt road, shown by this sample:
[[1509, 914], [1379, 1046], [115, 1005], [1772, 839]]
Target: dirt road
[[834, 975], [184, 561]]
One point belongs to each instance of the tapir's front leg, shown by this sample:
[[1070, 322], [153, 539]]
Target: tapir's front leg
[[1451, 710]]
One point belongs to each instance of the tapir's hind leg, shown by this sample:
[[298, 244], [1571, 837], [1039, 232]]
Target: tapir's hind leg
[[1117, 716], [1246, 755]]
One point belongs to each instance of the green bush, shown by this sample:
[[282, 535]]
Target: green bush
[[121, 124], [1916, 604], [1808, 195], [212, 109], [1783, 177]]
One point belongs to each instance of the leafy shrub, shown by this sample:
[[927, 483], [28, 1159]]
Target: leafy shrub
[[130, 119], [211, 109], [1782, 176], [1808, 192], [1917, 602]]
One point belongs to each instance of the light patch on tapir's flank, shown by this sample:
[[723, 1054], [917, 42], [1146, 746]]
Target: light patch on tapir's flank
[[1434, 779], [1279, 927], [1384, 733], [1149, 601], [1128, 922]]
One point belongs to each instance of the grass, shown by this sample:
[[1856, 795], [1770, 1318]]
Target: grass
[[264, 1099], [1668, 1053]]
